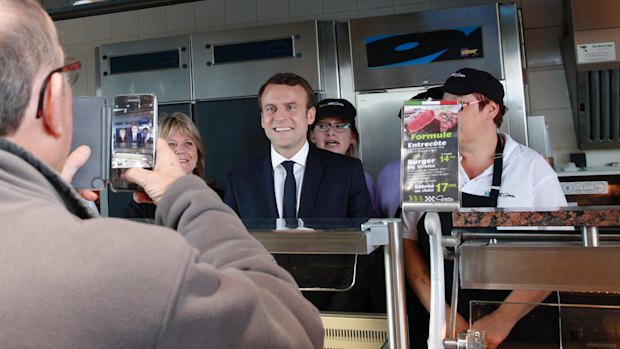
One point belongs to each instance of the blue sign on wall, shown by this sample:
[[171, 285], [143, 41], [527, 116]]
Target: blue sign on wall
[[394, 50]]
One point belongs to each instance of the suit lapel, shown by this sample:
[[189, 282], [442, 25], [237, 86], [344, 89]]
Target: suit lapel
[[312, 180], [264, 178]]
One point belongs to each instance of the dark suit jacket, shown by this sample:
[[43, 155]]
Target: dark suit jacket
[[139, 139], [333, 187]]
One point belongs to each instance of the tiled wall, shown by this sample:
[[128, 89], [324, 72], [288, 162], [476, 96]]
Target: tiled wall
[[548, 94], [542, 19]]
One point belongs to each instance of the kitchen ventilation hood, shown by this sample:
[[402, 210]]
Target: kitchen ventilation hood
[[591, 52]]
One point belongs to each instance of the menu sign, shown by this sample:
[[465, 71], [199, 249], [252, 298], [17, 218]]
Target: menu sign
[[430, 154]]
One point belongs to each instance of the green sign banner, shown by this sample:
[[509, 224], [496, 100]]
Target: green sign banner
[[430, 154]]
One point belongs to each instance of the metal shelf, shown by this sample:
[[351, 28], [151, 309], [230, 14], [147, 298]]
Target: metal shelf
[[314, 242]]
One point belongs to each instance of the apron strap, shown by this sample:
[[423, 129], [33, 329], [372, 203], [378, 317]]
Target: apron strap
[[498, 164]]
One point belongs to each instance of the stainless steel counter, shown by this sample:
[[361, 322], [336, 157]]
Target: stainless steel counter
[[574, 255], [371, 235]]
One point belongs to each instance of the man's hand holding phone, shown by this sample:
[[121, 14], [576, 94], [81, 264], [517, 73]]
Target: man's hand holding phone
[[156, 182], [74, 162]]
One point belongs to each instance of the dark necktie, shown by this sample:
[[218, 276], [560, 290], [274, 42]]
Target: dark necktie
[[289, 205]]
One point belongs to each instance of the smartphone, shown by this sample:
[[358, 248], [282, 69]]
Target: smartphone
[[133, 135], [90, 118]]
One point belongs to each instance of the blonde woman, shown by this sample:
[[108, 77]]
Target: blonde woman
[[184, 139]]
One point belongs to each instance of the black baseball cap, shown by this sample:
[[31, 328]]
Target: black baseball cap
[[468, 80], [335, 107]]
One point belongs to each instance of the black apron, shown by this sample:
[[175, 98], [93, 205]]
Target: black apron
[[470, 200], [523, 329], [467, 200]]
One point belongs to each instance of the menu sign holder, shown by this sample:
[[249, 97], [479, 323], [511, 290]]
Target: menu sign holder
[[429, 175], [429, 155]]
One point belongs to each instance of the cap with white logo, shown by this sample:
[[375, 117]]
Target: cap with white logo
[[468, 80]]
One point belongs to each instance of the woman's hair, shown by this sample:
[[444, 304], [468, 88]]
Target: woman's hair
[[352, 149], [185, 125]]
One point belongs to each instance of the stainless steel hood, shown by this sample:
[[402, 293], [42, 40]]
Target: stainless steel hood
[[591, 52], [594, 26]]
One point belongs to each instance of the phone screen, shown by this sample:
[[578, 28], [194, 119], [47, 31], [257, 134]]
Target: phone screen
[[134, 129]]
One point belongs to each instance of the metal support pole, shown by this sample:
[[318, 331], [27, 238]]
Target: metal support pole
[[589, 236], [395, 287], [455, 298], [437, 323]]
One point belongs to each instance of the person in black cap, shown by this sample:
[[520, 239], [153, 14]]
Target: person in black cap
[[334, 130], [334, 127], [484, 89], [494, 171]]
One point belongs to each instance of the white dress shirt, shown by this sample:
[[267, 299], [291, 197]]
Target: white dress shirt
[[279, 173]]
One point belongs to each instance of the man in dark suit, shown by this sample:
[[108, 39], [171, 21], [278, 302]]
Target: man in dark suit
[[135, 137], [332, 188], [327, 185], [331, 185]]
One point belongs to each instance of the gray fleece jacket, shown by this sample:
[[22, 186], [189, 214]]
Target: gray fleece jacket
[[70, 279]]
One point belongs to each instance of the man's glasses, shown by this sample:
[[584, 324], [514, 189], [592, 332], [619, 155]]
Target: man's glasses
[[71, 70], [337, 126], [462, 105]]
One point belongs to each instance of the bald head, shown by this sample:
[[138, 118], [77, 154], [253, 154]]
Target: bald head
[[28, 45]]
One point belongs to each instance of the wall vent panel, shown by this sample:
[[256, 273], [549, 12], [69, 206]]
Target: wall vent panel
[[599, 109]]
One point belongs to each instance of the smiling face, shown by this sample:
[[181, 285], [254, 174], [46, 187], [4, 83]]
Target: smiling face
[[285, 117], [185, 149], [337, 142]]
